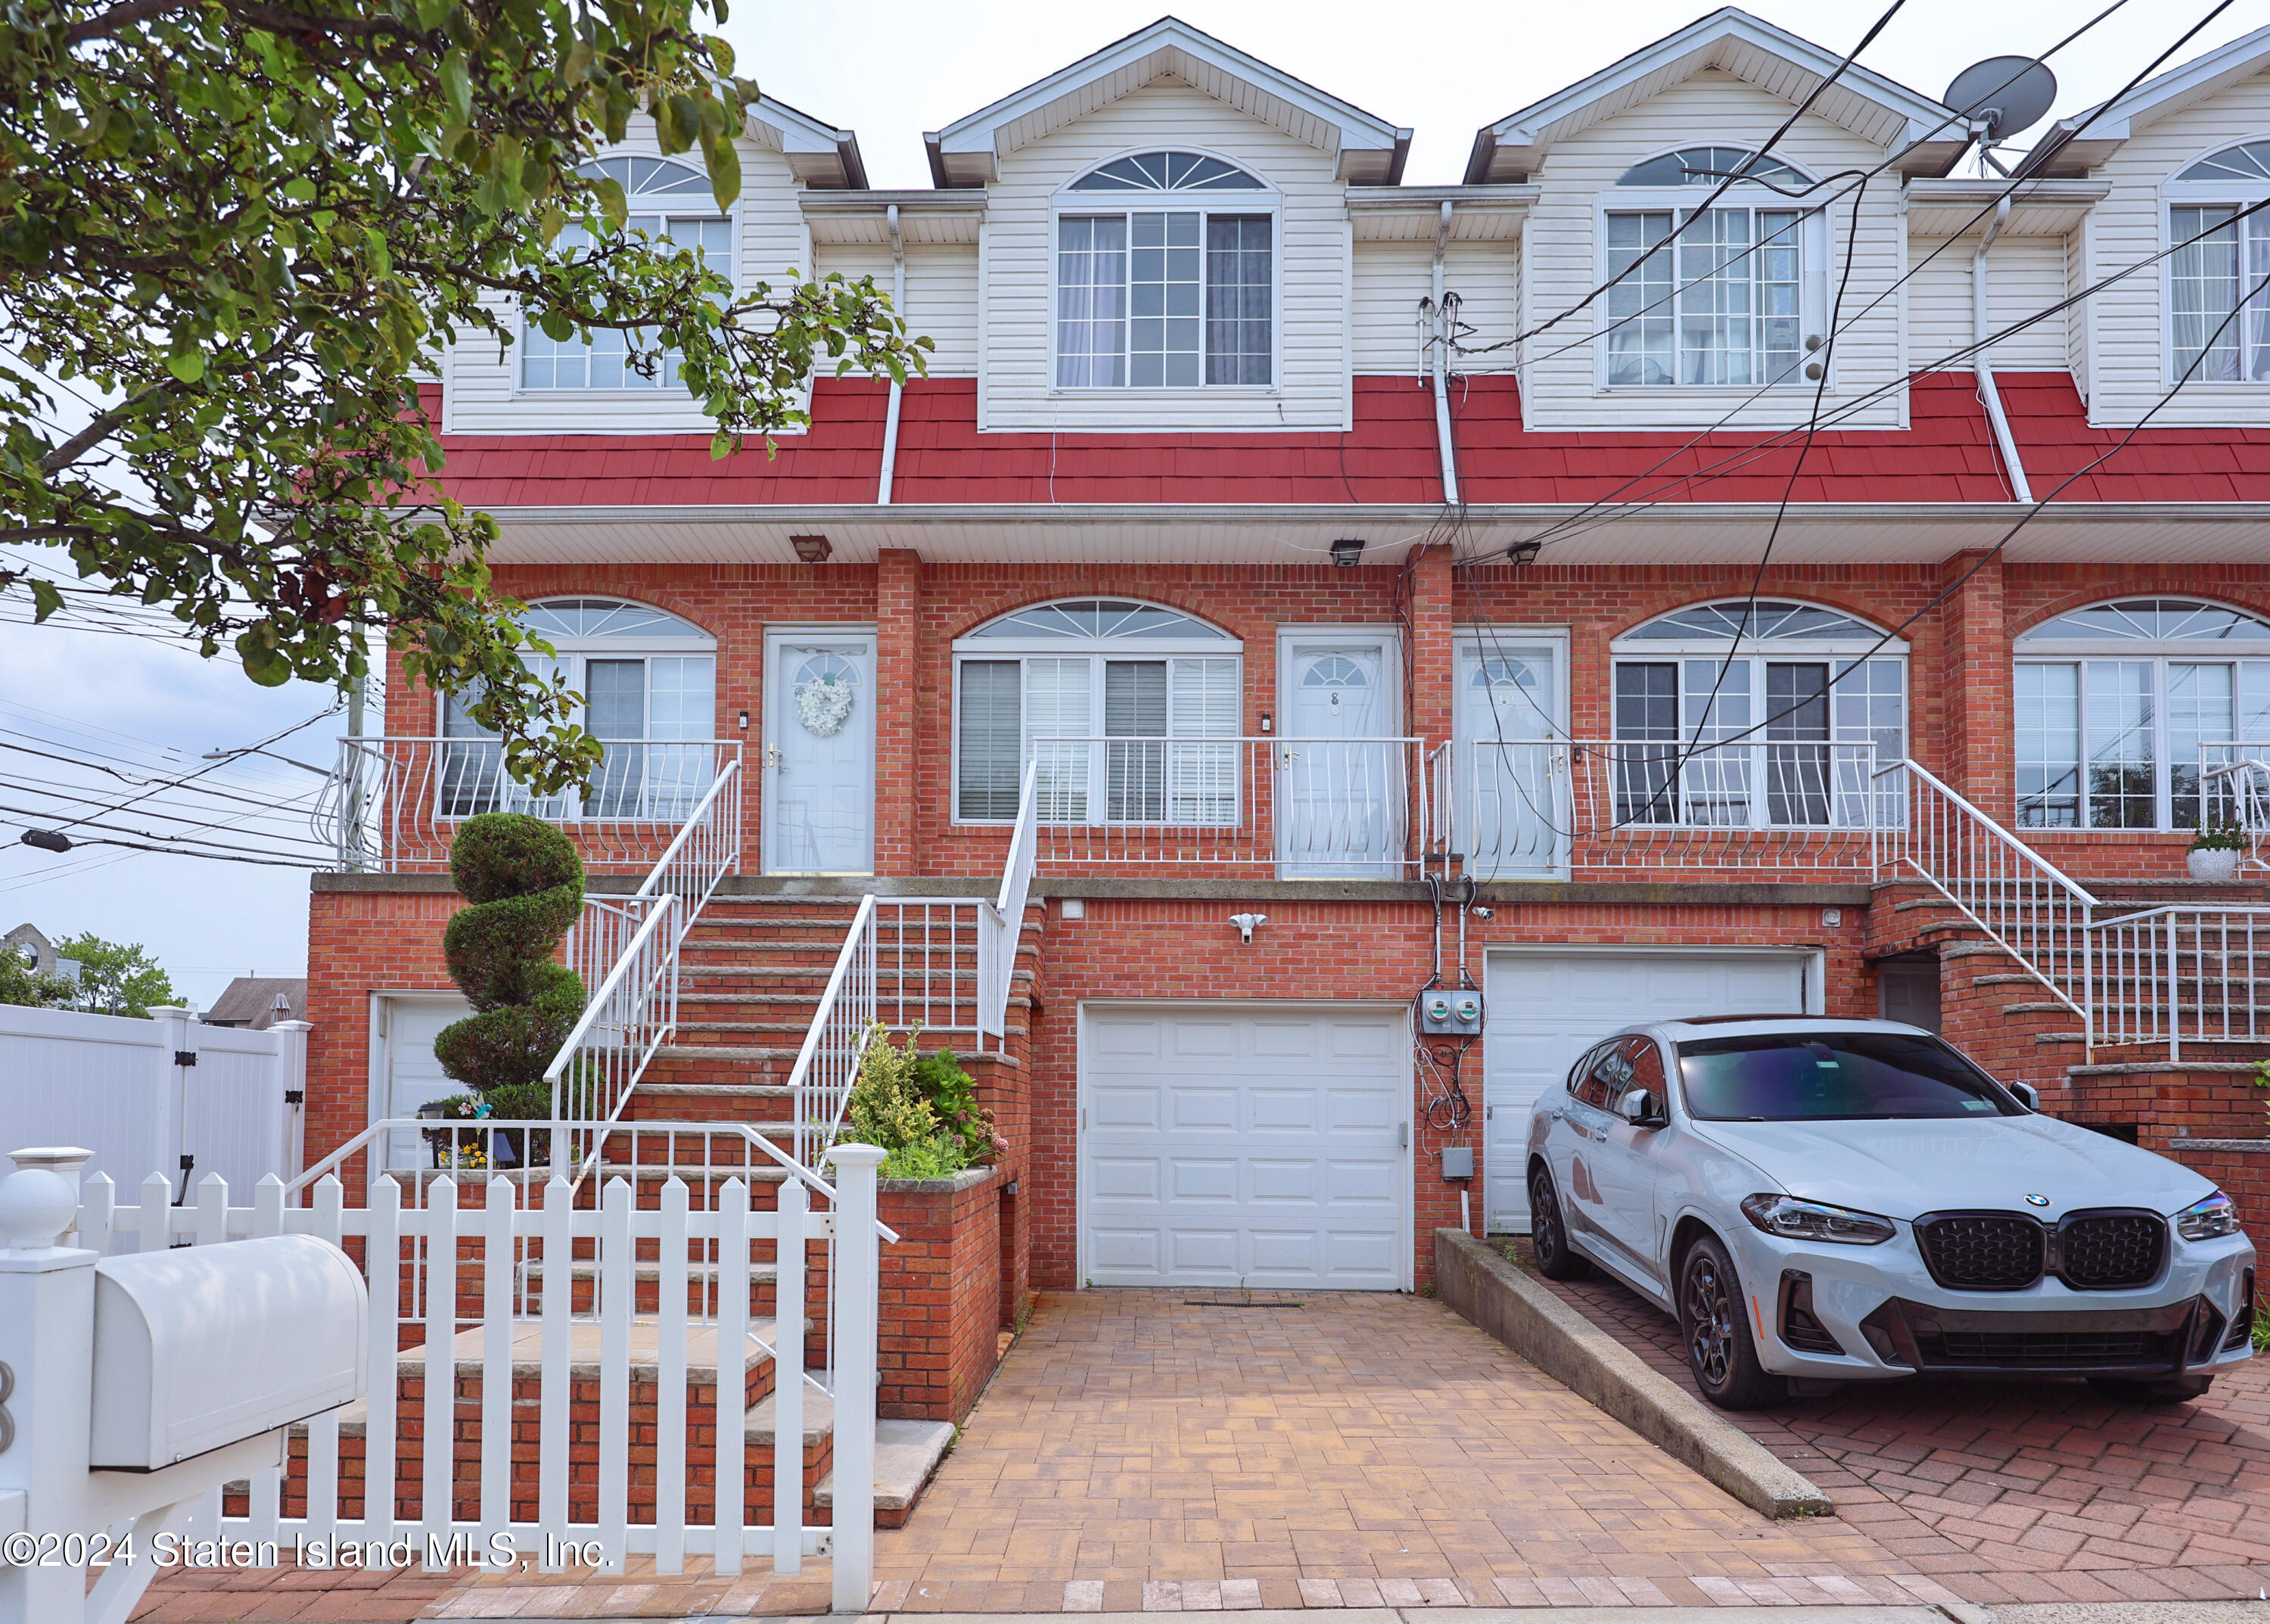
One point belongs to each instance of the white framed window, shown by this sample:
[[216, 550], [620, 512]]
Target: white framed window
[[1113, 699], [1730, 296], [1766, 714], [2210, 277], [1166, 276], [649, 681], [671, 202], [2122, 709]]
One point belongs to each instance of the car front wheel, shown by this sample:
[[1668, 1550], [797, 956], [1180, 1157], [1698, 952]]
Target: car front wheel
[[1715, 1330], [1549, 1233]]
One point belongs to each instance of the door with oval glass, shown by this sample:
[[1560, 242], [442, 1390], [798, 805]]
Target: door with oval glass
[[1339, 770], [817, 770], [1511, 790]]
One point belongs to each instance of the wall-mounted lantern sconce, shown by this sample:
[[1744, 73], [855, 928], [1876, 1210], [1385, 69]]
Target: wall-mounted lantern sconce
[[1347, 553], [1523, 553], [744, 722], [811, 549]]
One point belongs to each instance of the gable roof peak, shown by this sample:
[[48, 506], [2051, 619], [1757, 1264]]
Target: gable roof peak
[[1370, 149], [1777, 61], [2075, 146]]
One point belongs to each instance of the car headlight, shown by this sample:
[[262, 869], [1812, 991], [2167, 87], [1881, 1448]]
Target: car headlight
[[2204, 1220], [1793, 1219]]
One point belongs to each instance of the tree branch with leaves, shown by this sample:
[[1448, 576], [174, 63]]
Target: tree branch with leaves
[[235, 235]]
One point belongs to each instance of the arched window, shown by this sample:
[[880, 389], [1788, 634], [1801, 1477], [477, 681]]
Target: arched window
[[1772, 713], [1091, 689], [1708, 166], [1176, 292], [649, 681], [671, 202], [2121, 707], [1735, 298], [2219, 258]]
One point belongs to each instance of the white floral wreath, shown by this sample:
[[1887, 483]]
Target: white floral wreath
[[823, 704]]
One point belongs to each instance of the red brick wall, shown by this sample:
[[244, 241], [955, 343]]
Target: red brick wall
[[939, 1318]]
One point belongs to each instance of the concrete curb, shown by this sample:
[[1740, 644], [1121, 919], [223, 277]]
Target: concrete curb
[[1477, 1281]]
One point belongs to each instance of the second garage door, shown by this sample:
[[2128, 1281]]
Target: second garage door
[[1258, 1145], [1546, 1007]]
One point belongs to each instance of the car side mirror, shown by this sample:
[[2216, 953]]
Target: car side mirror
[[1639, 1108], [2029, 1096]]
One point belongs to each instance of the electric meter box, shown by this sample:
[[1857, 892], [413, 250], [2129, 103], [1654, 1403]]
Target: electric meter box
[[200, 1346], [1456, 1012]]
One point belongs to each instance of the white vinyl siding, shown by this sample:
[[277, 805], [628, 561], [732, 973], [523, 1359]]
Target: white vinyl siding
[[1563, 255], [1018, 389], [2131, 351], [941, 295], [1392, 278], [481, 391], [2023, 275]]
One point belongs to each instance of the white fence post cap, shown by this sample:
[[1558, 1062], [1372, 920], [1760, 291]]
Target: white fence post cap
[[856, 1155], [36, 1206]]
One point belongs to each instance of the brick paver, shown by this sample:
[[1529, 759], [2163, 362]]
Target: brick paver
[[2020, 1491]]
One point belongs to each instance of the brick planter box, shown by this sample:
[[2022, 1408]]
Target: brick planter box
[[941, 1316]]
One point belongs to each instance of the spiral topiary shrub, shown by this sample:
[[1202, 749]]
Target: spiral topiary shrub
[[524, 884]]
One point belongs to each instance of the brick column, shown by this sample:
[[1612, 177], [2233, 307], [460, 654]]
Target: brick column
[[1973, 706], [898, 615], [1433, 678]]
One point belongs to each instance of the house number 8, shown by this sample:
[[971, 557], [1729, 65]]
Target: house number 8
[[7, 1421]]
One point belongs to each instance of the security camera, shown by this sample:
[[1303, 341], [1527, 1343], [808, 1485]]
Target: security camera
[[1247, 925]]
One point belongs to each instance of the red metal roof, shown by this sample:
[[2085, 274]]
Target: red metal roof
[[1947, 455]]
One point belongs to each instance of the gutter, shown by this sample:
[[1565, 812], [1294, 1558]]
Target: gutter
[[1442, 363], [2020, 490], [898, 306]]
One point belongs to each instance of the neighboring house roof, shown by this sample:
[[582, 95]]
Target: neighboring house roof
[[250, 1001], [36, 947], [2077, 144], [1776, 61], [820, 154], [1371, 150]]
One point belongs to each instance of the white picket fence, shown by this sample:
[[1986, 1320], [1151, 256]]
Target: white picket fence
[[484, 1309], [119, 1086]]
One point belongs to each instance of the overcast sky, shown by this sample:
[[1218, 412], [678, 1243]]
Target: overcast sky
[[890, 70]]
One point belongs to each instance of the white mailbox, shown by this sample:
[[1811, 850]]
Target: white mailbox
[[200, 1346]]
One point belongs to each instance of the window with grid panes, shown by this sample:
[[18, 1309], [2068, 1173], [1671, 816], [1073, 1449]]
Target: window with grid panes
[[2219, 272], [669, 202], [1177, 295], [1707, 297], [1127, 713], [2124, 710], [1732, 715]]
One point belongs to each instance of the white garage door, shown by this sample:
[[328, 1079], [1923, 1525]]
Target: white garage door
[[1546, 1008], [1258, 1145], [410, 1076]]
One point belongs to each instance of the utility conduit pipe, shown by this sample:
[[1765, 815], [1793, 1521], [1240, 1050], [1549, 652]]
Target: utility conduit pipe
[[2020, 490], [898, 307], [1442, 364]]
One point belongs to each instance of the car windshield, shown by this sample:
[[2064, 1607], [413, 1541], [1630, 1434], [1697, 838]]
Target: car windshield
[[1833, 1076]]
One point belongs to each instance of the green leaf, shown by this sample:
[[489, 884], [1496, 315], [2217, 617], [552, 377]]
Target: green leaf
[[187, 363], [725, 164], [458, 85]]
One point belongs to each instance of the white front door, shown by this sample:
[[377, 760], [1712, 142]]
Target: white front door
[[1512, 809], [1339, 776], [409, 1077], [817, 777], [1245, 1144], [1546, 1008]]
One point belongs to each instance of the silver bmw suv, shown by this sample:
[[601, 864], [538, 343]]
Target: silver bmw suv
[[1826, 1201]]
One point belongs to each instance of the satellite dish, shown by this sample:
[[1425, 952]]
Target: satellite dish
[[2005, 93]]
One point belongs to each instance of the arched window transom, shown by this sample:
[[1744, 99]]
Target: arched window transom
[[2124, 710], [1708, 166], [1167, 172], [1784, 726], [1096, 692], [2247, 163]]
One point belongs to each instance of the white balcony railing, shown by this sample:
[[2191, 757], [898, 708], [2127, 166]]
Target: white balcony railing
[[1549, 806], [393, 803], [1350, 808]]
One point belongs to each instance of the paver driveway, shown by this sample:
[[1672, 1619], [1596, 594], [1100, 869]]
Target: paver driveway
[[2020, 1492], [1139, 1451]]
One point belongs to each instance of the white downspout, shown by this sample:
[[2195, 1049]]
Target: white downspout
[[1442, 364], [2019, 489], [898, 305]]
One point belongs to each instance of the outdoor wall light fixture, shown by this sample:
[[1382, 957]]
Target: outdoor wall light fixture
[[811, 549], [1247, 925], [1347, 553], [744, 722], [1524, 552], [1485, 913]]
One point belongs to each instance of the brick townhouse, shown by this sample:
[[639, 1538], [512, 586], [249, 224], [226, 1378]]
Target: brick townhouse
[[1330, 647]]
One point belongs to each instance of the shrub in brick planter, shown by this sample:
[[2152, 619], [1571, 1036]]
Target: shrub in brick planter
[[524, 886]]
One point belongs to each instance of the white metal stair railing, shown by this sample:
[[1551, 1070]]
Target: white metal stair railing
[[828, 1063], [451, 1309], [2235, 788], [2016, 897]]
